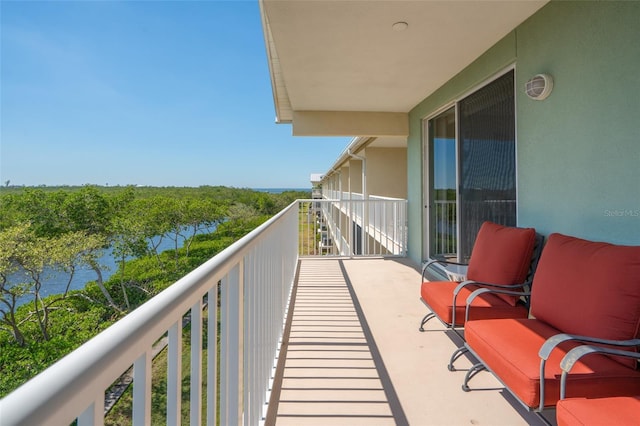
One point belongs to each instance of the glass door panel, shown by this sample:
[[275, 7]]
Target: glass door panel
[[443, 241]]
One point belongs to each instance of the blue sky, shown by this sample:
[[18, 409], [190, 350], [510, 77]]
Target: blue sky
[[162, 93]]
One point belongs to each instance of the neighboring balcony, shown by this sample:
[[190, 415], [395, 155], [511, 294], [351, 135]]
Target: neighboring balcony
[[351, 225], [302, 340], [316, 193]]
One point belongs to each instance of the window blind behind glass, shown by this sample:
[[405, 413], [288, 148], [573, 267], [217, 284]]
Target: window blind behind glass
[[487, 160]]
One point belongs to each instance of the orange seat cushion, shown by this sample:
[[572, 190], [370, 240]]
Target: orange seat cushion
[[438, 295], [621, 410], [509, 348], [502, 255], [588, 288]]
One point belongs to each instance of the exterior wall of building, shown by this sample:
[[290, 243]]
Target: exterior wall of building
[[578, 151], [344, 179], [355, 176], [387, 172]]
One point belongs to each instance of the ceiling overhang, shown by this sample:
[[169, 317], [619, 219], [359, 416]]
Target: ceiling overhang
[[340, 68], [346, 123], [359, 146]]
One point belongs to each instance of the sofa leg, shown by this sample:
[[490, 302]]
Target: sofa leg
[[425, 319], [472, 372], [455, 355]]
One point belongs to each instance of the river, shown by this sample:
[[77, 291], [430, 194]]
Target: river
[[55, 282]]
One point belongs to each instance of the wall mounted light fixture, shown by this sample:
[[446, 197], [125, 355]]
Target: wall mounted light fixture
[[539, 87]]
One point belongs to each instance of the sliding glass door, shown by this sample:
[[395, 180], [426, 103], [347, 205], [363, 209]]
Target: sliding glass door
[[471, 168], [443, 241]]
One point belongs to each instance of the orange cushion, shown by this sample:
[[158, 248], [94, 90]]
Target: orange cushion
[[588, 288], [509, 348], [438, 295], [502, 255], [622, 410]]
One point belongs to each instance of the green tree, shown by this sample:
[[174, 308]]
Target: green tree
[[128, 240], [150, 214], [88, 210], [33, 258], [242, 212], [53, 214], [43, 210], [198, 215], [10, 293]]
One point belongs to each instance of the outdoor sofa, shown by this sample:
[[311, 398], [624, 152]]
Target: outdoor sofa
[[583, 292], [613, 410]]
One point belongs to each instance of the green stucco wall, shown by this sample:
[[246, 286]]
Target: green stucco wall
[[578, 151]]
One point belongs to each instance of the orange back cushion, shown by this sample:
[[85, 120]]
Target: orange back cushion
[[502, 255], [588, 288]]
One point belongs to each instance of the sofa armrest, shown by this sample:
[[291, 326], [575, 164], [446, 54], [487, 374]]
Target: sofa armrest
[[442, 262], [457, 290], [553, 341], [496, 288], [491, 288], [575, 354]]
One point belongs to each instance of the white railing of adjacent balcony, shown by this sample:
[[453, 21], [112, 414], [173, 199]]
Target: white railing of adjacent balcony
[[444, 216], [388, 223], [347, 227], [444, 221], [255, 275]]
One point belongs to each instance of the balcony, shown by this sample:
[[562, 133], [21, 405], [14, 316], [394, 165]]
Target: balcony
[[355, 226], [353, 354], [303, 340]]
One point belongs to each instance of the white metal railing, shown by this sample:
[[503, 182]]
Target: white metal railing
[[384, 223], [255, 275], [355, 227], [448, 240], [445, 241]]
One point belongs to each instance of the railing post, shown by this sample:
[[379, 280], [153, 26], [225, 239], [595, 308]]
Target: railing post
[[225, 351], [251, 312], [174, 375], [142, 389], [231, 348], [195, 397], [365, 225], [212, 355], [240, 338], [93, 415], [394, 226]]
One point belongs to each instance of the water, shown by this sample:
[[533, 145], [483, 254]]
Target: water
[[281, 190], [55, 282]]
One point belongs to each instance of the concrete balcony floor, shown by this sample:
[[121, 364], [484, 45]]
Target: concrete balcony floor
[[354, 355]]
